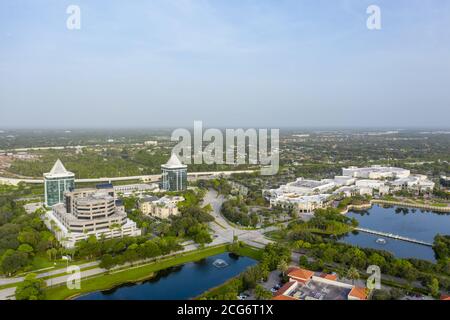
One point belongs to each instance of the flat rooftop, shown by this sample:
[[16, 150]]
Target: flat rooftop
[[315, 290], [308, 183]]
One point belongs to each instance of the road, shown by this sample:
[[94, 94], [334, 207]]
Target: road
[[6, 281], [148, 178], [225, 231]]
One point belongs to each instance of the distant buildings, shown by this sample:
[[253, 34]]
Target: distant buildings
[[151, 143], [379, 177], [174, 175], [375, 172], [305, 196], [161, 208], [130, 189], [56, 182], [304, 284], [86, 212]]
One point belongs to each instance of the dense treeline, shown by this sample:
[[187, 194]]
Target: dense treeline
[[22, 237], [325, 221], [441, 247], [122, 250], [220, 185], [236, 211]]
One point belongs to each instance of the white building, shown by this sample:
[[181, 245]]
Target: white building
[[130, 189], [363, 191], [376, 172], [161, 208], [87, 212], [383, 190], [300, 203], [302, 187], [344, 180], [368, 183], [414, 182], [347, 191]]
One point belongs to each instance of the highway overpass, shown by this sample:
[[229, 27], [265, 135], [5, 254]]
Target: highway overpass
[[145, 178]]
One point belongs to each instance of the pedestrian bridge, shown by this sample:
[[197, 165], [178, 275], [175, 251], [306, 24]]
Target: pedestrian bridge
[[394, 236]]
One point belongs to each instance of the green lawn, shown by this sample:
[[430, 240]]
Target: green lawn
[[42, 262], [437, 204], [250, 252]]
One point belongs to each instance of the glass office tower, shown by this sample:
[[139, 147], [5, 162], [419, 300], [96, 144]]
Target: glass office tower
[[57, 181], [174, 175]]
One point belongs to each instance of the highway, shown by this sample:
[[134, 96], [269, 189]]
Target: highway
[[147, 178]]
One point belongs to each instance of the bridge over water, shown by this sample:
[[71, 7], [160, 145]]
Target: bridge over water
[[394, 236]]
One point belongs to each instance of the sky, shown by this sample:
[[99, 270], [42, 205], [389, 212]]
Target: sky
[[228, 63]]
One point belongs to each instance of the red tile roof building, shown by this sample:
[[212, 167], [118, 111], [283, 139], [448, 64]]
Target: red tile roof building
[[307, 285]]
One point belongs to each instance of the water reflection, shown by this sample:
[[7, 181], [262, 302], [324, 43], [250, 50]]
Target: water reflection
[[408, 222]]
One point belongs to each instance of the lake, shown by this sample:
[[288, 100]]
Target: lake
[[181, 282], [408, 222]]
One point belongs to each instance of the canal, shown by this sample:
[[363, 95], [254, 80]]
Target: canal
[[408, 222], [181, 282]]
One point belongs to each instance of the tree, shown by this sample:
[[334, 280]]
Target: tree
[[434, 287], [353, 274], [261, 293], [13, 261], [329, 254], [251, 277], [203, 237], [283, 266], [51, 253], [107, 261], [303, 261], [26, 248], [31, 288], [377, 260]]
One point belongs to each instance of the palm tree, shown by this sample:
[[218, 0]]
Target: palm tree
[[283, 266], [353, 274]]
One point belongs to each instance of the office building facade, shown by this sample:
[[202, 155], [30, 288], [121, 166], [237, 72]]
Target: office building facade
[[56, 182], [174, 175]]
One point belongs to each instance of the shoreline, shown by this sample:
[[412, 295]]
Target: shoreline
[[395, 203]]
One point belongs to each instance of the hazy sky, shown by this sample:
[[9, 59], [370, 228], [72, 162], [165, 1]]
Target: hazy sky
[[271, 63]]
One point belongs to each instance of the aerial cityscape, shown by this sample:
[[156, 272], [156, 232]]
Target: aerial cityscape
[[208, 150]]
